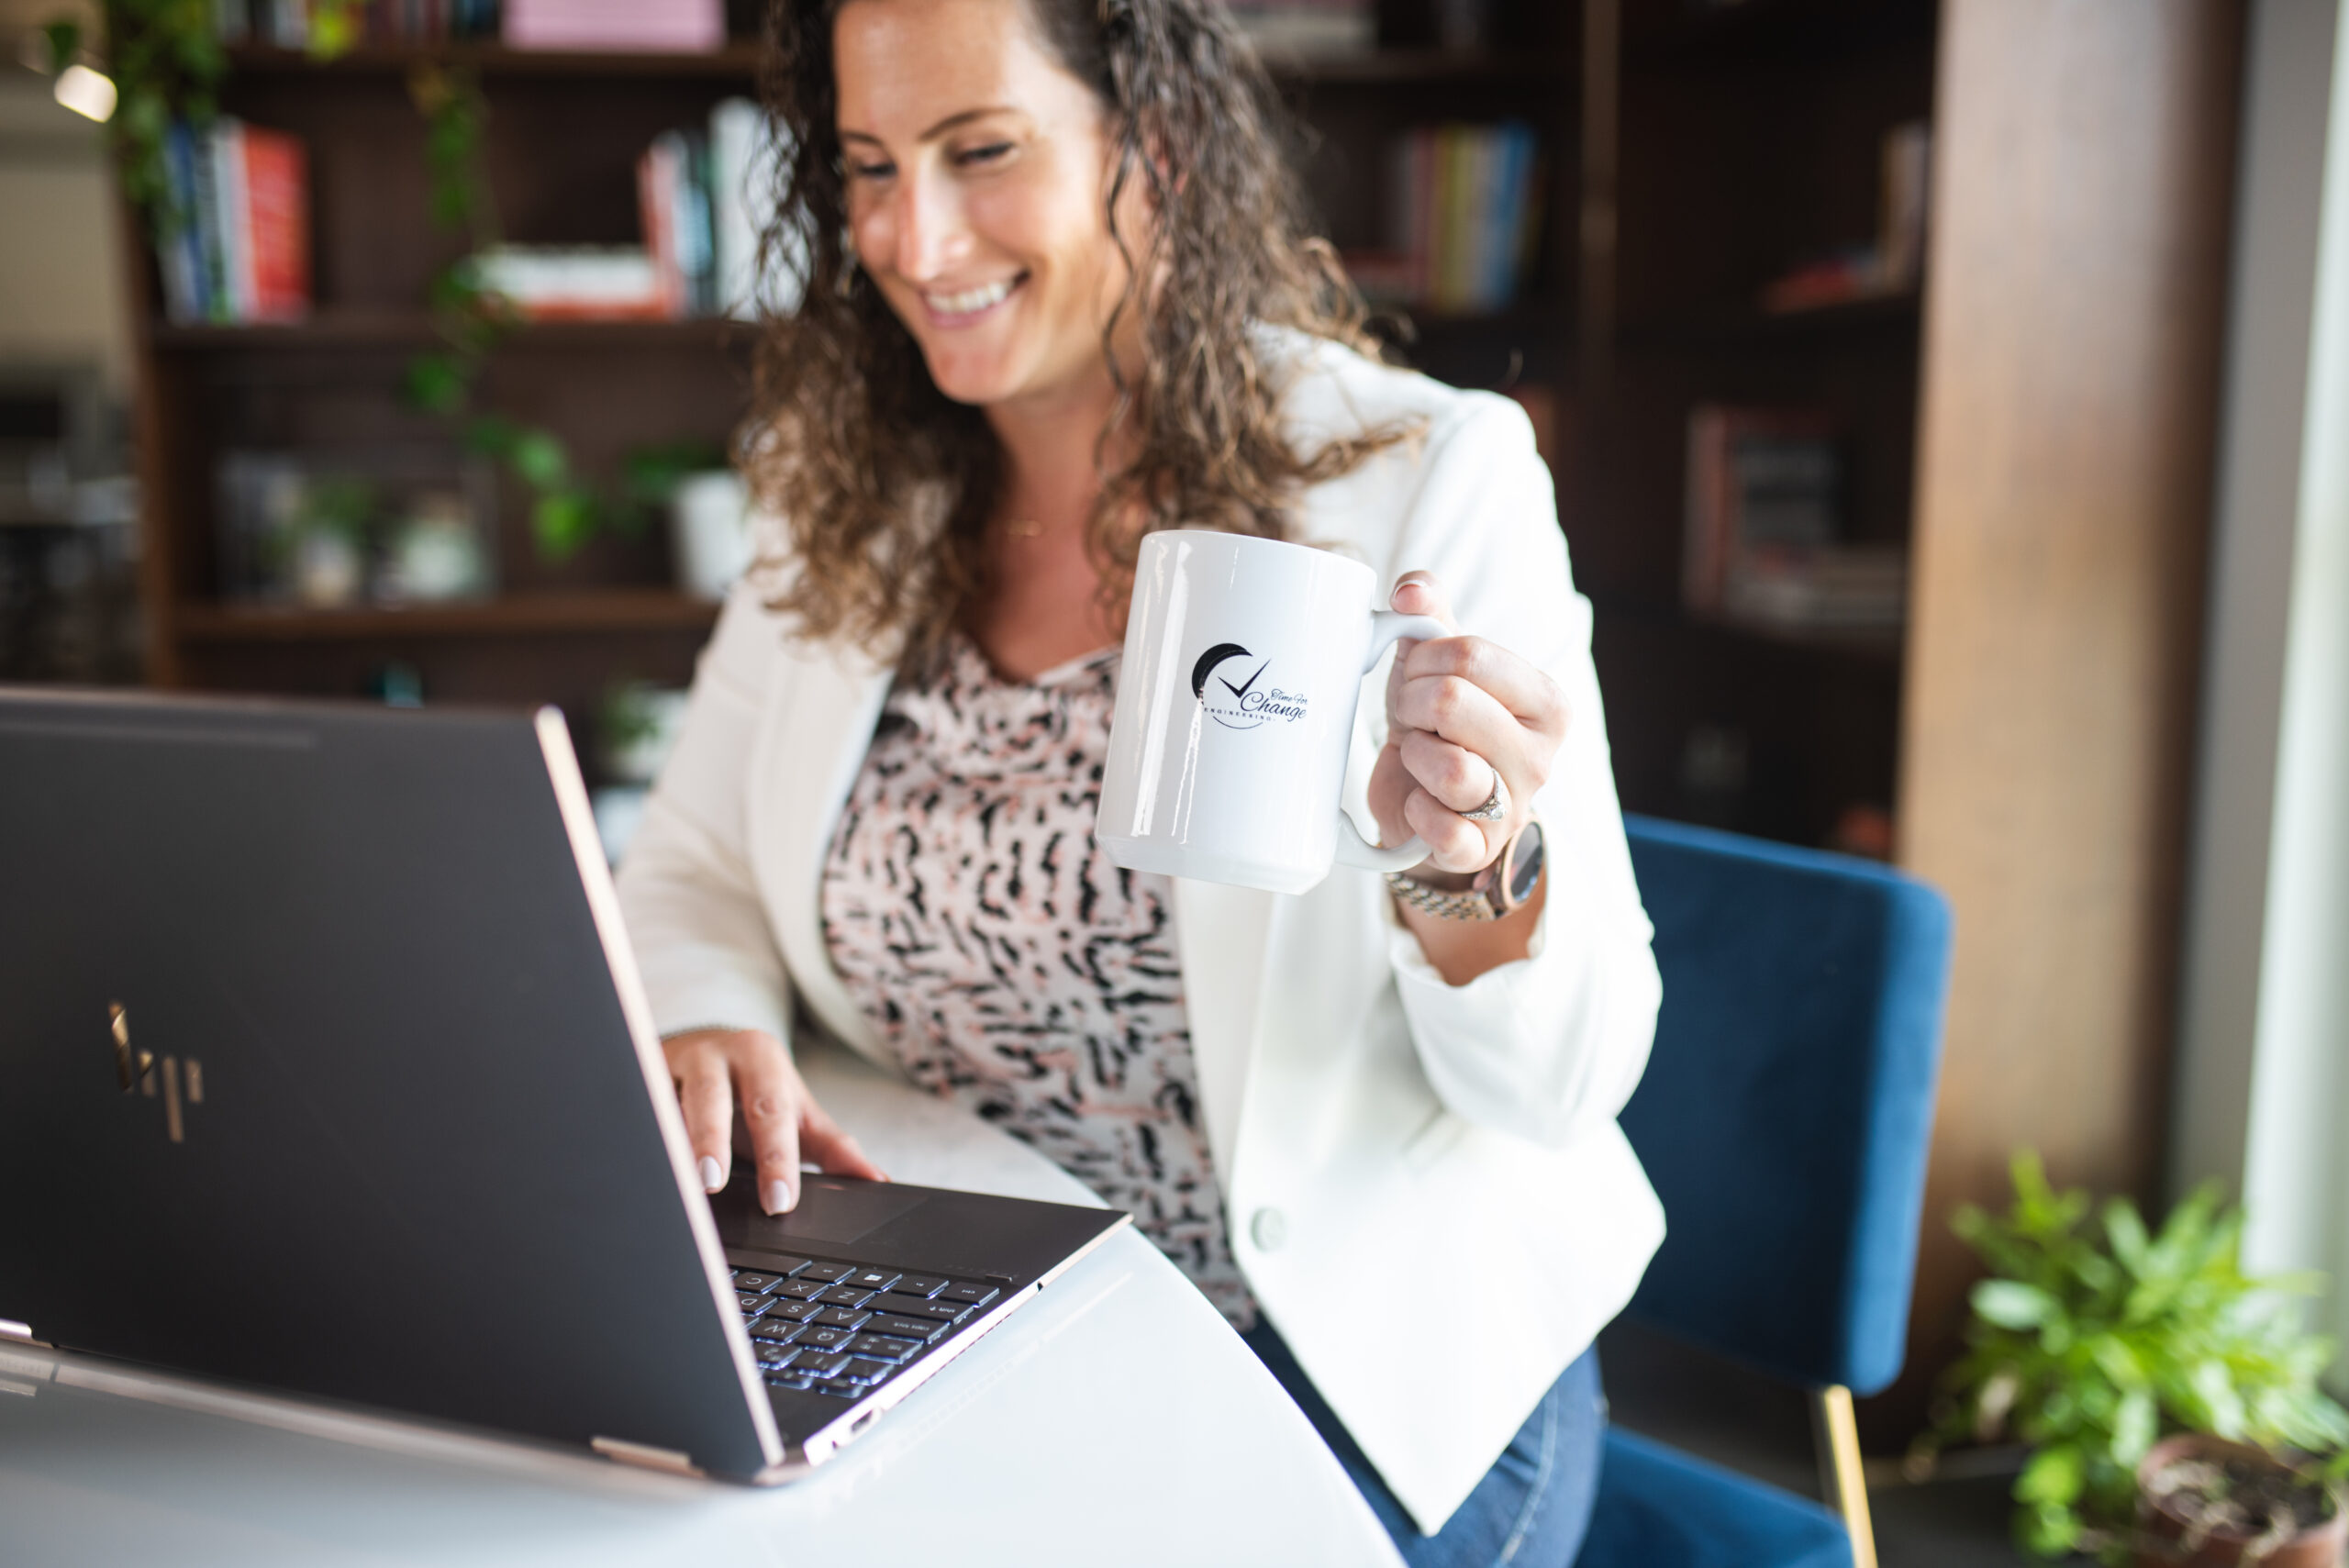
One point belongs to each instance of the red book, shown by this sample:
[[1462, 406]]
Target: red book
[[273, 227], [658, 172]]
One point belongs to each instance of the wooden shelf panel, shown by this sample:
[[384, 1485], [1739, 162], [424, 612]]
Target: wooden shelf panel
[[743, 58], [331, 328], [1377, 66], [1876, 645], [1888, 315], [739, 59], [620, 610]]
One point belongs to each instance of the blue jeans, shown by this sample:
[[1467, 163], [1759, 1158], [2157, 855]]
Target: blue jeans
[[1533, 1505]]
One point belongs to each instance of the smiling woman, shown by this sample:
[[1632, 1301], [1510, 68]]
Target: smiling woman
[[1060, 295], [983, 231]]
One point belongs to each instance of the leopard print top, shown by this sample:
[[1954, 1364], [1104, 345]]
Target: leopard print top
[[1007, 964]]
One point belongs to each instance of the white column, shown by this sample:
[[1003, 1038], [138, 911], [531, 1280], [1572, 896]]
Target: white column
[[2262, 1096]]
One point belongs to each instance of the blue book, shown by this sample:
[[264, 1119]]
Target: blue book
[[179, 245]]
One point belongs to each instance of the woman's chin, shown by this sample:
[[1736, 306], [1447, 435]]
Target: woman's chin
[[974, 381]]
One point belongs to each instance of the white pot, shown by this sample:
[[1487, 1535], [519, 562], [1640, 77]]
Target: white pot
[[710, 532]]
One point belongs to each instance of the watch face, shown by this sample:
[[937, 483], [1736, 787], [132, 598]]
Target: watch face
[[1523, 873]]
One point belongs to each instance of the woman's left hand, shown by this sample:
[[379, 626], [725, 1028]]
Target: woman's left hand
[[1460, 714]]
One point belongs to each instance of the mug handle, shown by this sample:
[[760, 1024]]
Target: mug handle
[[1385, 628]]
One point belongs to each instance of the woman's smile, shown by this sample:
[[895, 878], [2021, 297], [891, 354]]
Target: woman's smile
[[966, 307]]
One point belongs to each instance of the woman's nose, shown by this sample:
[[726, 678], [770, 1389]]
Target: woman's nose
[[932, 236]]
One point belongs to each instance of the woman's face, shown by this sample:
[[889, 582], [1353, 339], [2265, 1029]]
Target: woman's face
[[978, 175]]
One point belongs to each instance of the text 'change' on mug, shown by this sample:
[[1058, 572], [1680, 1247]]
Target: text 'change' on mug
[[1243, 664]]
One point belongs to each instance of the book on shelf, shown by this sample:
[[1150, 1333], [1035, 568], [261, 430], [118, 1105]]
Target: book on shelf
[[1762, 541], [286, 24], [237, 248], [1893, 263], [679, 27], [1308, 28], [1462, 205], [704, 198]]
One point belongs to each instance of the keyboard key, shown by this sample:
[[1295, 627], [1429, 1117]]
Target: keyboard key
[[749, 1283], [828, 1272], [828, 1338], [790, 1379], [915, 1306], [844, 1295], [784, 1268], [886, 1349], [922, 1328], [779, 1330], [819, 1363], [838, 1390], [865, 1371], [921, 1284], [970, 1295], [776, 1356], [872, 1279], [839, 1318], [751, 1305], [801, 1289], [794, 1311]]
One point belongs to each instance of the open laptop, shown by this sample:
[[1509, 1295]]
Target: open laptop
[[324, 1067]]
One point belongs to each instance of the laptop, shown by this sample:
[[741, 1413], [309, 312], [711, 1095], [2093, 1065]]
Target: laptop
[[324, 1068]]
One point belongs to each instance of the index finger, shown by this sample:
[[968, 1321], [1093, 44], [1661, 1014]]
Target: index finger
[[1520, 685], [770, 1116]]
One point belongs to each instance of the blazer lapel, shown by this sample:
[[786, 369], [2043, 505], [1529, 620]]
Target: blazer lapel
[[1220, 934], [819, 728]]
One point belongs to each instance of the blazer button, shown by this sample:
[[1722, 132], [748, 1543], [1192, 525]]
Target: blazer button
[[1268, 1229]]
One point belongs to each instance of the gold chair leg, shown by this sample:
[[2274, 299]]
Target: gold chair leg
[[1842, 1482]]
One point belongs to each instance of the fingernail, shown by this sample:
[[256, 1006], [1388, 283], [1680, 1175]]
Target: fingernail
[[778, 1198], [713, 1175]]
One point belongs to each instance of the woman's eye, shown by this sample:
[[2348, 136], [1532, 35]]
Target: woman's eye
[[990, 153], [871, 171]]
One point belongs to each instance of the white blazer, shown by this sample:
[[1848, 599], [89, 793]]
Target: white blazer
[[1426, 1186]]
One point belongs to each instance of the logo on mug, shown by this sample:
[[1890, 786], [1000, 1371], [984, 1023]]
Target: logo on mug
[[1241, 704]]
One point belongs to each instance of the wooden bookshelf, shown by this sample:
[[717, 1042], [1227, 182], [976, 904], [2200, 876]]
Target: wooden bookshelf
[[1742, 138]]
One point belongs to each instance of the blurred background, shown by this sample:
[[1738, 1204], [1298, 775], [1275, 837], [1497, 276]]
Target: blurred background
[[1929, 388]]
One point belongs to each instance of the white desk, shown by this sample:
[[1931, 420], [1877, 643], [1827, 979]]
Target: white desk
[[1114, 1421]]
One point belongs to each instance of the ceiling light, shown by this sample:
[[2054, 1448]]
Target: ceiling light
[[86, 92]]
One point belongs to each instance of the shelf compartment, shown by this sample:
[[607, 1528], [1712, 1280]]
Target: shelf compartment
[[534, 615], [331, 328]]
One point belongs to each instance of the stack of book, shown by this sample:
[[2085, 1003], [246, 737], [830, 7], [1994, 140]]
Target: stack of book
[[1895, 262], [683, 27], [1305, 28], [236, 245], [286, 24], [1762, 543], [704, 195], [1463, 207]]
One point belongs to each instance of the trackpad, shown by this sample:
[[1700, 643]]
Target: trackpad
[[830, 1209]]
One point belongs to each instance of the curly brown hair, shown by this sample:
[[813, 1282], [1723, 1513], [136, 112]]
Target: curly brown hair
[[849, 434]]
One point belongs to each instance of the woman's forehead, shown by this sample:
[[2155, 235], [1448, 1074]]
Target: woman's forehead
[[904, 66]]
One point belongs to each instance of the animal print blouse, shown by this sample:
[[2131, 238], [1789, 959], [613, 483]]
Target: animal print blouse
[[1007, 964]]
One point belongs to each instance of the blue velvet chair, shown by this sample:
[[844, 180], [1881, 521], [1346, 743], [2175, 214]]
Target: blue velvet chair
[[1782, 1119]]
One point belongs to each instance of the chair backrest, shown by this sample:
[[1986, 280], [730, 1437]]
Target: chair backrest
[[1785, 1112]]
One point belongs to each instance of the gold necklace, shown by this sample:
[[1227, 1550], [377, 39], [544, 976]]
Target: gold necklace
[[1023, 527]]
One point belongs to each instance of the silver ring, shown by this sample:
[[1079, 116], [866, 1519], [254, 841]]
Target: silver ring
[[1496, 804]]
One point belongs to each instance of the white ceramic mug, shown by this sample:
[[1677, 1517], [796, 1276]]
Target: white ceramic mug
[[1244, 666]]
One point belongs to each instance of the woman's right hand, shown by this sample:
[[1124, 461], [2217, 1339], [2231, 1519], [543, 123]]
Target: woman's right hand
[[781, 1123]]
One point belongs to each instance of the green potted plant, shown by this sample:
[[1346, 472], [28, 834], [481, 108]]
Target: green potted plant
[[2170, 1401]]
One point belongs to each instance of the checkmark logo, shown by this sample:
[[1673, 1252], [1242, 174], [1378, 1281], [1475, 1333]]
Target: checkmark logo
[[1242, 691]]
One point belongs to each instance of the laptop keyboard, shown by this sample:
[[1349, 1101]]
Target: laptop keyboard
[[845, 1328]]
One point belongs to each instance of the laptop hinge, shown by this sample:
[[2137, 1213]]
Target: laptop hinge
[[646, 1455]]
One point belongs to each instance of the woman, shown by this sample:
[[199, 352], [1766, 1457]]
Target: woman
[[1057, 296]]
